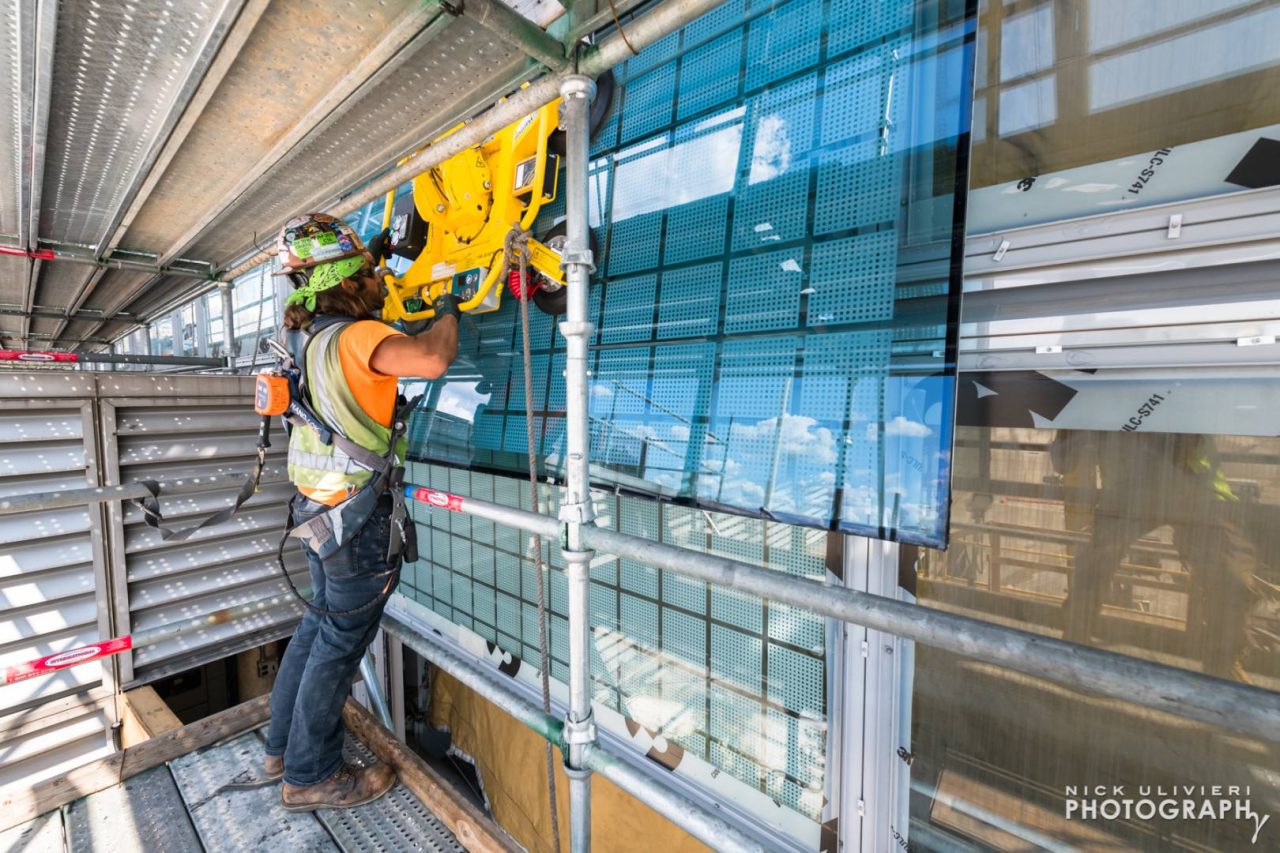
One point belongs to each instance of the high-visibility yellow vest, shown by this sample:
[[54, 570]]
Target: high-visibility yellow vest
[[314, 464]]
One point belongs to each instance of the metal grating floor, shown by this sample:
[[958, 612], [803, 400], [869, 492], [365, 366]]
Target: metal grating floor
[[186, 806]]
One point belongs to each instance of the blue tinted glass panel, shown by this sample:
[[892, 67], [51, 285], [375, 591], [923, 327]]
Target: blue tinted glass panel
[[774, 203]]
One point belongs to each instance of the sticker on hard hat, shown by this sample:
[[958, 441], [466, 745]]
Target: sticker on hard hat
[[443, 500]]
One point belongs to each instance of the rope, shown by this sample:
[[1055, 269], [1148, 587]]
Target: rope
[[517, 251], [621, 31]]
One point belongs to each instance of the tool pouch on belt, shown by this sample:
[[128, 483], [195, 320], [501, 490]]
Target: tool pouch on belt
[[329, 531]]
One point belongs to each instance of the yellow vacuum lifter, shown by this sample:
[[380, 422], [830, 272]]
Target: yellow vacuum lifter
[[452, 228]]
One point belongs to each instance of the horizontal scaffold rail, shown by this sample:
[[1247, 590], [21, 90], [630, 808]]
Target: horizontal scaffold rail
[[59, 357], [1243, 708]]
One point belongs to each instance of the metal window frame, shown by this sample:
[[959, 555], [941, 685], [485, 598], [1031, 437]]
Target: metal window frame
[[872, 727], [1228, 241]]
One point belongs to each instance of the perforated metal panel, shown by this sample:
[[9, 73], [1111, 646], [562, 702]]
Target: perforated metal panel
[[785, 42], [857, 22], [772, 210], [649, 102], [398, 821], [853, 279], [16, 44], [696, 230], [629, 303], [192, 429], [709, 76], [690, 301], [122, 72], [653, 634], [636, 244], [764, 291]]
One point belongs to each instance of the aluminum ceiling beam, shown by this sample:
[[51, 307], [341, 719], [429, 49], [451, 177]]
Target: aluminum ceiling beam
[[660, 21], [515, 29], [50, 311], [34, 149]]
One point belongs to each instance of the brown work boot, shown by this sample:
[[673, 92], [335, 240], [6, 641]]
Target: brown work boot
[[350, 786], [273, 766]]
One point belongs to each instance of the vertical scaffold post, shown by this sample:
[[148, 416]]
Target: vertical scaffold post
[[228, 324], [576, 93]]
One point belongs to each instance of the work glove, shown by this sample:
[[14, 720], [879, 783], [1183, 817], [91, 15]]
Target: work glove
[[380, 246], [447, 304]]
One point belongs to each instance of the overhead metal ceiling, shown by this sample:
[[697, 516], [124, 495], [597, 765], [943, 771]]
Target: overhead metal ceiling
[[180, 135]]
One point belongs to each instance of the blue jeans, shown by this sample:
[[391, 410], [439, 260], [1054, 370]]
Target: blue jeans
[[322, 657]]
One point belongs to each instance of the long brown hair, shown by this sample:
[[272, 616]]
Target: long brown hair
[[351, 298]]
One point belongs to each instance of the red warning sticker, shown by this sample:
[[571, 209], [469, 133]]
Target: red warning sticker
[[62, 660], [443, 500]]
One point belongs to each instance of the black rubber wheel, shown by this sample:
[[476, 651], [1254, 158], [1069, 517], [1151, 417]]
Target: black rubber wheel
[[556, 302], [553, 302], [599, 112]]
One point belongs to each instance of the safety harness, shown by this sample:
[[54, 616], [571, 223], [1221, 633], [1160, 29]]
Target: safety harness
[[284, 392]]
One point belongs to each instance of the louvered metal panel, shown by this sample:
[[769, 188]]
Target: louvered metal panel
[[58, 737], [122, 73], [203, 428], [52, 564]]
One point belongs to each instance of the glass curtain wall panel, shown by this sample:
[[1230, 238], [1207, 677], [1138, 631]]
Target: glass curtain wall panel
[[1139, 513], [777, 196], [727, 691], [1092, 106], [255, 315], [214, 329]]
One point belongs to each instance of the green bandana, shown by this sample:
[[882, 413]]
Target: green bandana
[[322, 278]]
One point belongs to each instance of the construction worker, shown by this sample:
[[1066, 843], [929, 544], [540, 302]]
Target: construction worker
[[1150, 480], [351, 362]]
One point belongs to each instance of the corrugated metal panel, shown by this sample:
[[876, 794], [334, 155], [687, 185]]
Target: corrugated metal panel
[[116, 288], [206, 428], [158, 294], [458, 70], [121, 71], [51, 562], [13, 284], [260, 101], [58, 285]]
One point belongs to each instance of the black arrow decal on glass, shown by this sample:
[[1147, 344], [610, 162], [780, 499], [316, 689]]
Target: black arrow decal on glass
[[1007, 398]]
